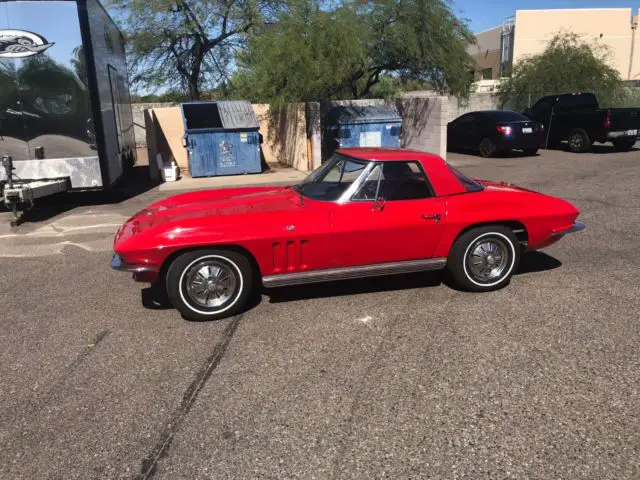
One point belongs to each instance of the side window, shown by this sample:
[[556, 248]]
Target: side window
[[404, 181], [543, 106], [466, 119], [369, 188]]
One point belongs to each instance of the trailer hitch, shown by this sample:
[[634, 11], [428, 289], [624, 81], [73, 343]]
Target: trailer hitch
[[9, 197], [7, 164]]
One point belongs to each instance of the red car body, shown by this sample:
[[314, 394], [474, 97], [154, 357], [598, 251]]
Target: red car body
[[286, 234]]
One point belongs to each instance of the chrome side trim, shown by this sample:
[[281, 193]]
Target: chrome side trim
[[359, 271], [577, 226], [118, 264]]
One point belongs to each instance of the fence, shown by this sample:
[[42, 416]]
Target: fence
[[623, 98]]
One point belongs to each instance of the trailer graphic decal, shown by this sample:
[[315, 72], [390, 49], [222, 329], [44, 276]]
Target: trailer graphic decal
[[20, 43]]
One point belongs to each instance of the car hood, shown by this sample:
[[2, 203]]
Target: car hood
[[192, 207], [223, 203]]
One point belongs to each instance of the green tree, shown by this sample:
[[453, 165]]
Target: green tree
[[186, 45], [566, 65], [313, 53]]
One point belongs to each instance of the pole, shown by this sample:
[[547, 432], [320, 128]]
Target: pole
[[546, 145]]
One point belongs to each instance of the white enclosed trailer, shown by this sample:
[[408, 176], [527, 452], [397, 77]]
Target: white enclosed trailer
[[65, 113]]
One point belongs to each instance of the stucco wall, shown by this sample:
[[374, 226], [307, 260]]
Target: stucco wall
[[292, 134], [486, 51], [159, 128], [284, 132], [605, 26]]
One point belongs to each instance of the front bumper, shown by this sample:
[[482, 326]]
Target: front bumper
[[117, 263], [520, 141], [576, 227]]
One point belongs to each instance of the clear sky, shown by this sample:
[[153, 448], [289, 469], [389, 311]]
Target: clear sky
[[484, 14]]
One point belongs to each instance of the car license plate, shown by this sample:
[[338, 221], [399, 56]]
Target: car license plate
[[527, 130], [632, 133]]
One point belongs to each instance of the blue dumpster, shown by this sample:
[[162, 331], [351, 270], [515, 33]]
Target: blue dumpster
[[221, 138], [355, 126]]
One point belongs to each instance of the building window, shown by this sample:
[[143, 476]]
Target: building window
[[487, 73]]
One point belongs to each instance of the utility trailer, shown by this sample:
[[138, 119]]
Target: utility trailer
[[65, 112]]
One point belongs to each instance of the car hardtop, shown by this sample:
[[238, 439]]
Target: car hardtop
[[443, 178], [388, 154]]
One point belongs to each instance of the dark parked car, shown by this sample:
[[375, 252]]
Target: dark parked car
[[494, 131], [577, 118]]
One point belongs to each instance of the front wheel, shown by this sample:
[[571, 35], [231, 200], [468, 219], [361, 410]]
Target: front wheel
[[530, 152], [209, 284], [484, 258]]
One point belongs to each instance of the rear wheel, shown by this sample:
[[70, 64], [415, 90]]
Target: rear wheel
[[209, 284], [484, 258], [579, 141], [624, 145], [530, 152], [486, 148]]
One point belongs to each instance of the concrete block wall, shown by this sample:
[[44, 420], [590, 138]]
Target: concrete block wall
[[138, 110], [475, 102], [424, 123], [424, 120]]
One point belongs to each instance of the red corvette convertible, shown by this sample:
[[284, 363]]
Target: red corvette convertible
[[365, 212]]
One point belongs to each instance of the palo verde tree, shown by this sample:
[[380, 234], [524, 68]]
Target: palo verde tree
[[567, 64], [185, 45], [343, 50]]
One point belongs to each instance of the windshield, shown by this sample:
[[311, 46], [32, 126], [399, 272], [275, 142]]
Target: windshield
[[332, 179], [469, 184]]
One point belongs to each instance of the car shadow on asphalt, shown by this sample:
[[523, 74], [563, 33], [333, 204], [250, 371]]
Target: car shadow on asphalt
[[507, 154], [354, 287], [596, 149], [530, 262], [154, 296]]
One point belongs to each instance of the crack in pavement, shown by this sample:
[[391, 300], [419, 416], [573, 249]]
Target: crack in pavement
[[161, 448]]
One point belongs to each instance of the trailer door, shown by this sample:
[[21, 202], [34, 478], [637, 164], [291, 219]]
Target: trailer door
[[116, 103], [50, 68]]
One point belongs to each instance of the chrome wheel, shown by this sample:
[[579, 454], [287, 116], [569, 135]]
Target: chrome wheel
[[210, 283], [488, 259]]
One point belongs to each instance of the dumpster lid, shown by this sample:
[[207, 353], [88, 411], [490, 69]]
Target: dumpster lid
[[237, 114], [363, 114], [229, 114]]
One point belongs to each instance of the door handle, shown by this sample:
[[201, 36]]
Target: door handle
[[432, 216]]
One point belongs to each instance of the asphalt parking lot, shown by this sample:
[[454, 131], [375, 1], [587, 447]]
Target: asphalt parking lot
[[398, 377]]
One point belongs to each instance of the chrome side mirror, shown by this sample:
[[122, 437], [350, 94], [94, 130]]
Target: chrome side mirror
[[379, 203]]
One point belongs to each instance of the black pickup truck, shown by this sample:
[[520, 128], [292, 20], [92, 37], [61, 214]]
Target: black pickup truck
[[577, 118]]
